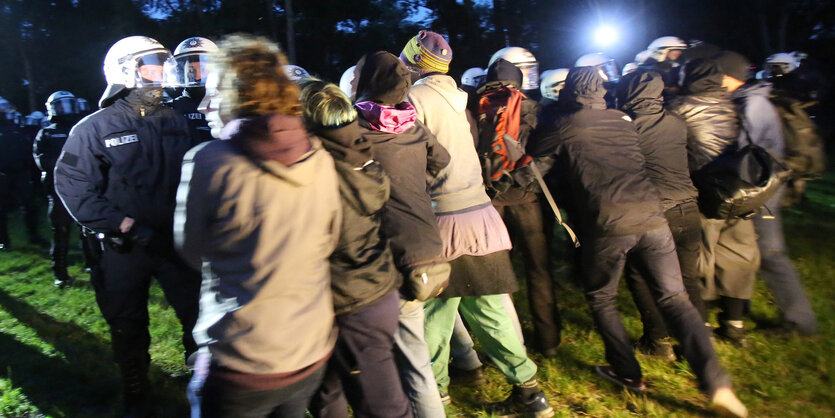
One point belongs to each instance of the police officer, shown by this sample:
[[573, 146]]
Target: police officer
[[187, 70], [62, 111], [16, 183], [118, 175]]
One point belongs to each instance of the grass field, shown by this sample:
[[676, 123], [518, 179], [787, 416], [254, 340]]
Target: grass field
[[55, 358]]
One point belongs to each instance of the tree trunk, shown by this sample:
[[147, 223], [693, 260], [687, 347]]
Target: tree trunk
[[498, 22], [291, 32], [27, 70], [270, 4], [782, 27], [761, 16]]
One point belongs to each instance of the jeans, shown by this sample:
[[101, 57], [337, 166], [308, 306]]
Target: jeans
[[655, 252], [490, 324], [777, 270], [687, 234], [287, 402], [362, 370], [412, 357]]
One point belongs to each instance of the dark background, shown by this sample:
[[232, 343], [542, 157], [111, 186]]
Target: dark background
[[48, 45]]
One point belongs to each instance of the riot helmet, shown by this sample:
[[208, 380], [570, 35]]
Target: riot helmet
[[665, 47], [781, 63], [189, 65], [524, 61], [61, 103], [133, 62], [295, 73], [605, 65], [552, 82], [473, 77]]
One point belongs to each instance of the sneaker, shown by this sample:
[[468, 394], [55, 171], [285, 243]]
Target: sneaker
[[461, 377], [534, 405], [62, 282], [5, 246], [633, 385], [446, 399], [731, 334], [725, 403], [660, 348]]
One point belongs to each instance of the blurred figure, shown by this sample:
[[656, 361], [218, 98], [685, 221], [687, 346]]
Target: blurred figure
[[117, 175], [363, 277], [665, 57], [409, 154], [597, 160], [62, 108], [761, 125], [259, 212], [730, 257], [16, 181], [186, 72], [552, 82], [475, 238]]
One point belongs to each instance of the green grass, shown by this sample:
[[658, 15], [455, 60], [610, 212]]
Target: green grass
[[55, 358]]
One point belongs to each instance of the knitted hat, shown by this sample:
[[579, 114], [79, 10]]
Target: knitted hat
[[427, 52]]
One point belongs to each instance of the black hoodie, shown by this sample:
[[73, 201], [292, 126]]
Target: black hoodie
[[598, 164], [662, 136], [706, 107]]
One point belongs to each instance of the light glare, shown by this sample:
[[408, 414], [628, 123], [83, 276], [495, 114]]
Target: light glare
[[605, 35]]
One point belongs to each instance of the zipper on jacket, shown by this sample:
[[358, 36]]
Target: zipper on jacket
[[142, 111]]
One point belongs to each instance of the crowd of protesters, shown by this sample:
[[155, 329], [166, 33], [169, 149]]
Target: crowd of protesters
[[352, 239]]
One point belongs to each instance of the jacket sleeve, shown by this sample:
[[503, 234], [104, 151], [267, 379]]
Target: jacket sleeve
[[81, 180], [437, 157], [195, 203], [529, 120], [762, 125]]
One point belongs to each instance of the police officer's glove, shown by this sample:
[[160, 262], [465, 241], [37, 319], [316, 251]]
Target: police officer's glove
[[424, 282], [140, 235]]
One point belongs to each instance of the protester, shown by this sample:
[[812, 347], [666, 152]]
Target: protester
[[475, 238], [259, 210], [408, 153], [521, 211], [761, 125], [662, 138], [730, 257], [363, 278]]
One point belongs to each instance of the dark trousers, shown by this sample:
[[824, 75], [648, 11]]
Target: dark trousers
[[287, 402], [121, 282], [17, 189], [61, 222], [687, 234], [777, 270], [655, 252], [362, 370], [525, 223]]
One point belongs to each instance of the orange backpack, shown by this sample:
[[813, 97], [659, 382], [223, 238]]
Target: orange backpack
[[498, 147]]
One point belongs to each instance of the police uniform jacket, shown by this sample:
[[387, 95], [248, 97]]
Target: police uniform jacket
[[47, 148], [123, 161]]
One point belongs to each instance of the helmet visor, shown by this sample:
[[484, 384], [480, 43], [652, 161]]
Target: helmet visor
[[188, 70], [530, 75], [610, 70], [64, 106], [149, 69]]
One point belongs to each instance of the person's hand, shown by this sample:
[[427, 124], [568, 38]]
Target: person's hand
[[126, 225]]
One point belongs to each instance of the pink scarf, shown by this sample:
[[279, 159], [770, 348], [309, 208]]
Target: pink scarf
[[393, 120]]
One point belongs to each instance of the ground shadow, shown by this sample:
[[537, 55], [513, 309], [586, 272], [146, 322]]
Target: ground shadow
[[85, 382]]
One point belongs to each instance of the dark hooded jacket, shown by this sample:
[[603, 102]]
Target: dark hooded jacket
[[710, 115], [502, 74], [47, 148], [407, 157], [598, 167], [662, 136], [362, 268]]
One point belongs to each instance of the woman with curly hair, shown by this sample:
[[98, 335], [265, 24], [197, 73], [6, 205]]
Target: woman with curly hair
[[259, 213]]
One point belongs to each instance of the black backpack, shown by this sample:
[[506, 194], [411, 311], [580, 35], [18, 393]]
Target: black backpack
[[804, 148]]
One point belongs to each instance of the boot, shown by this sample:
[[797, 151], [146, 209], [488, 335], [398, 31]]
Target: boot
[[58, 251], [137, 388]]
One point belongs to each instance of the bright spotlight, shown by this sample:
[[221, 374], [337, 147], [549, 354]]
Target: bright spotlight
[[605, 35]]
